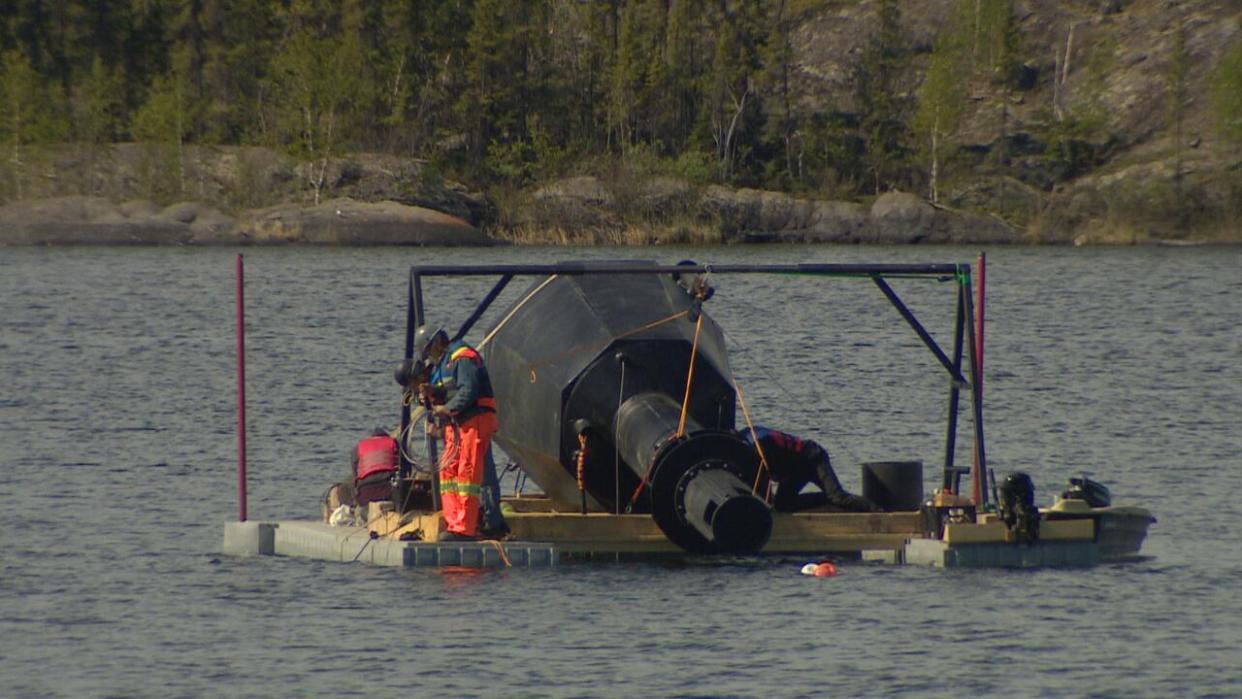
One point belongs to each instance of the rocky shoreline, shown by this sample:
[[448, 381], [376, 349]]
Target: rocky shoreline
[[252, 196], [721, 215], [78, 220]]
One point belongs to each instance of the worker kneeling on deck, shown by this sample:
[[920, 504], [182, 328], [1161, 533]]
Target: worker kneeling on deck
[[465, 405], [374, 463], [793, 463]]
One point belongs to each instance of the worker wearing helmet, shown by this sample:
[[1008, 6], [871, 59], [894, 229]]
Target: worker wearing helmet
[[792, 464], [464, 402]]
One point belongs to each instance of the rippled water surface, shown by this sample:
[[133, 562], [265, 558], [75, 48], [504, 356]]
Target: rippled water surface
[[118, 448]]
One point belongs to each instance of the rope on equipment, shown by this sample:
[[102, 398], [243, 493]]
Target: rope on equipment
[[685, 401], [685, 405], [516, 308], [754, 436], [504, 557]]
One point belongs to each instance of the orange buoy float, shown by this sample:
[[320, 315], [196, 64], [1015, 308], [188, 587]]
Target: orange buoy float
[[824, 569]]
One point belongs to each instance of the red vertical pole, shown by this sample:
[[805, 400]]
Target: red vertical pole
[[978, 475], [241, 391]]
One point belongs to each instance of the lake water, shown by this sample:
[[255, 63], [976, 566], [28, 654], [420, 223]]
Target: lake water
[[117, 435]]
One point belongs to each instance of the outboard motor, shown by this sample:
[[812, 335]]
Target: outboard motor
[[1093, 493], [590, 375], [1017, 508]]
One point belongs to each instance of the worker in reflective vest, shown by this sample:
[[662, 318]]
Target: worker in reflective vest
[[375, 460], [793, 463], [464, 403]]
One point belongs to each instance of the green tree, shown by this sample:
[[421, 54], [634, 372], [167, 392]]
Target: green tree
[[683, 59], [1179, 98], [776, 86], [1227, 93], [425, 78], [882, 105], [501, 102], [942, 99], [100, 110], [29, 113], [731, 115], [629, 81], [164, 119], [314, 90], [226, 53], [997, 54]]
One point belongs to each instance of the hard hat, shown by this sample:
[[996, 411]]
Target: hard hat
[[408, 370], [425, 335]]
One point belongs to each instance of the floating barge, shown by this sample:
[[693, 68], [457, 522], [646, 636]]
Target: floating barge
[[618, 401]]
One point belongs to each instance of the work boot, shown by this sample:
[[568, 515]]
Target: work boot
[[455, 536]]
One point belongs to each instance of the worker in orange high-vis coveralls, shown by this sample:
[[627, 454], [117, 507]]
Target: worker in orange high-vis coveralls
[[463, 401]]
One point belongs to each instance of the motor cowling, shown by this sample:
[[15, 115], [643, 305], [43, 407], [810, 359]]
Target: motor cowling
[[1017, 508]]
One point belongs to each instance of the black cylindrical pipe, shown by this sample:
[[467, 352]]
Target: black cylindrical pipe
[[697, 495], [721, 508], [606, 358], [643, 426]]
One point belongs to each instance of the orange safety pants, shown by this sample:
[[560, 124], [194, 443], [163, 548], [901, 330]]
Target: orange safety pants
[[461, 471]]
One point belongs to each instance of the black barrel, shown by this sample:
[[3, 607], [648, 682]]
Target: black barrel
[[894, 486]]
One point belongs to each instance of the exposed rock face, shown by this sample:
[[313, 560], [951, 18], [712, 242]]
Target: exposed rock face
[[90, 220], [901, 217], [753, 215], [348, 222], [239, 178], [96, 220], [750, 215], [1095, 74]]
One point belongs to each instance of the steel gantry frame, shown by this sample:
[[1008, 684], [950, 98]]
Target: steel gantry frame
[[965, 332]]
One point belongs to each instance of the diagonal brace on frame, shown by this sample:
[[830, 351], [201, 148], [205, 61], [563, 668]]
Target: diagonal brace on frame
[[919, 329]]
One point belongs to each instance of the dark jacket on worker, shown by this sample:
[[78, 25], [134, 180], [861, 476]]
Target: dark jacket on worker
[[793, 463], [461, 378]]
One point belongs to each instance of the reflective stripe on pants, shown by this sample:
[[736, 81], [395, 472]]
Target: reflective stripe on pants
[[461, 471]]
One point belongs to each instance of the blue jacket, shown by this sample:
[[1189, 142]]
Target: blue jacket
[[462, 378]]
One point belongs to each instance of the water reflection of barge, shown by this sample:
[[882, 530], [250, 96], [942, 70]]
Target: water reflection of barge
[[618, 401]]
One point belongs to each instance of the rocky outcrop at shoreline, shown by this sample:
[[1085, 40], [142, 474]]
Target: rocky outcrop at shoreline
[[728, 216], [755, 216], [894, 217], [99, 221]]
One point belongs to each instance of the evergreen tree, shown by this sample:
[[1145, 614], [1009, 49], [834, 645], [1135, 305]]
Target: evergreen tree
[[1179, 97], [100, 106], [314, 90], [164, 119], [1227, 93], [629, 80], [942, 98], [998, 56], [879, 97], [29, 114], [731, 115], [777, 88], [502, 96], [683, 62], [577, 68], [428, 83]]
